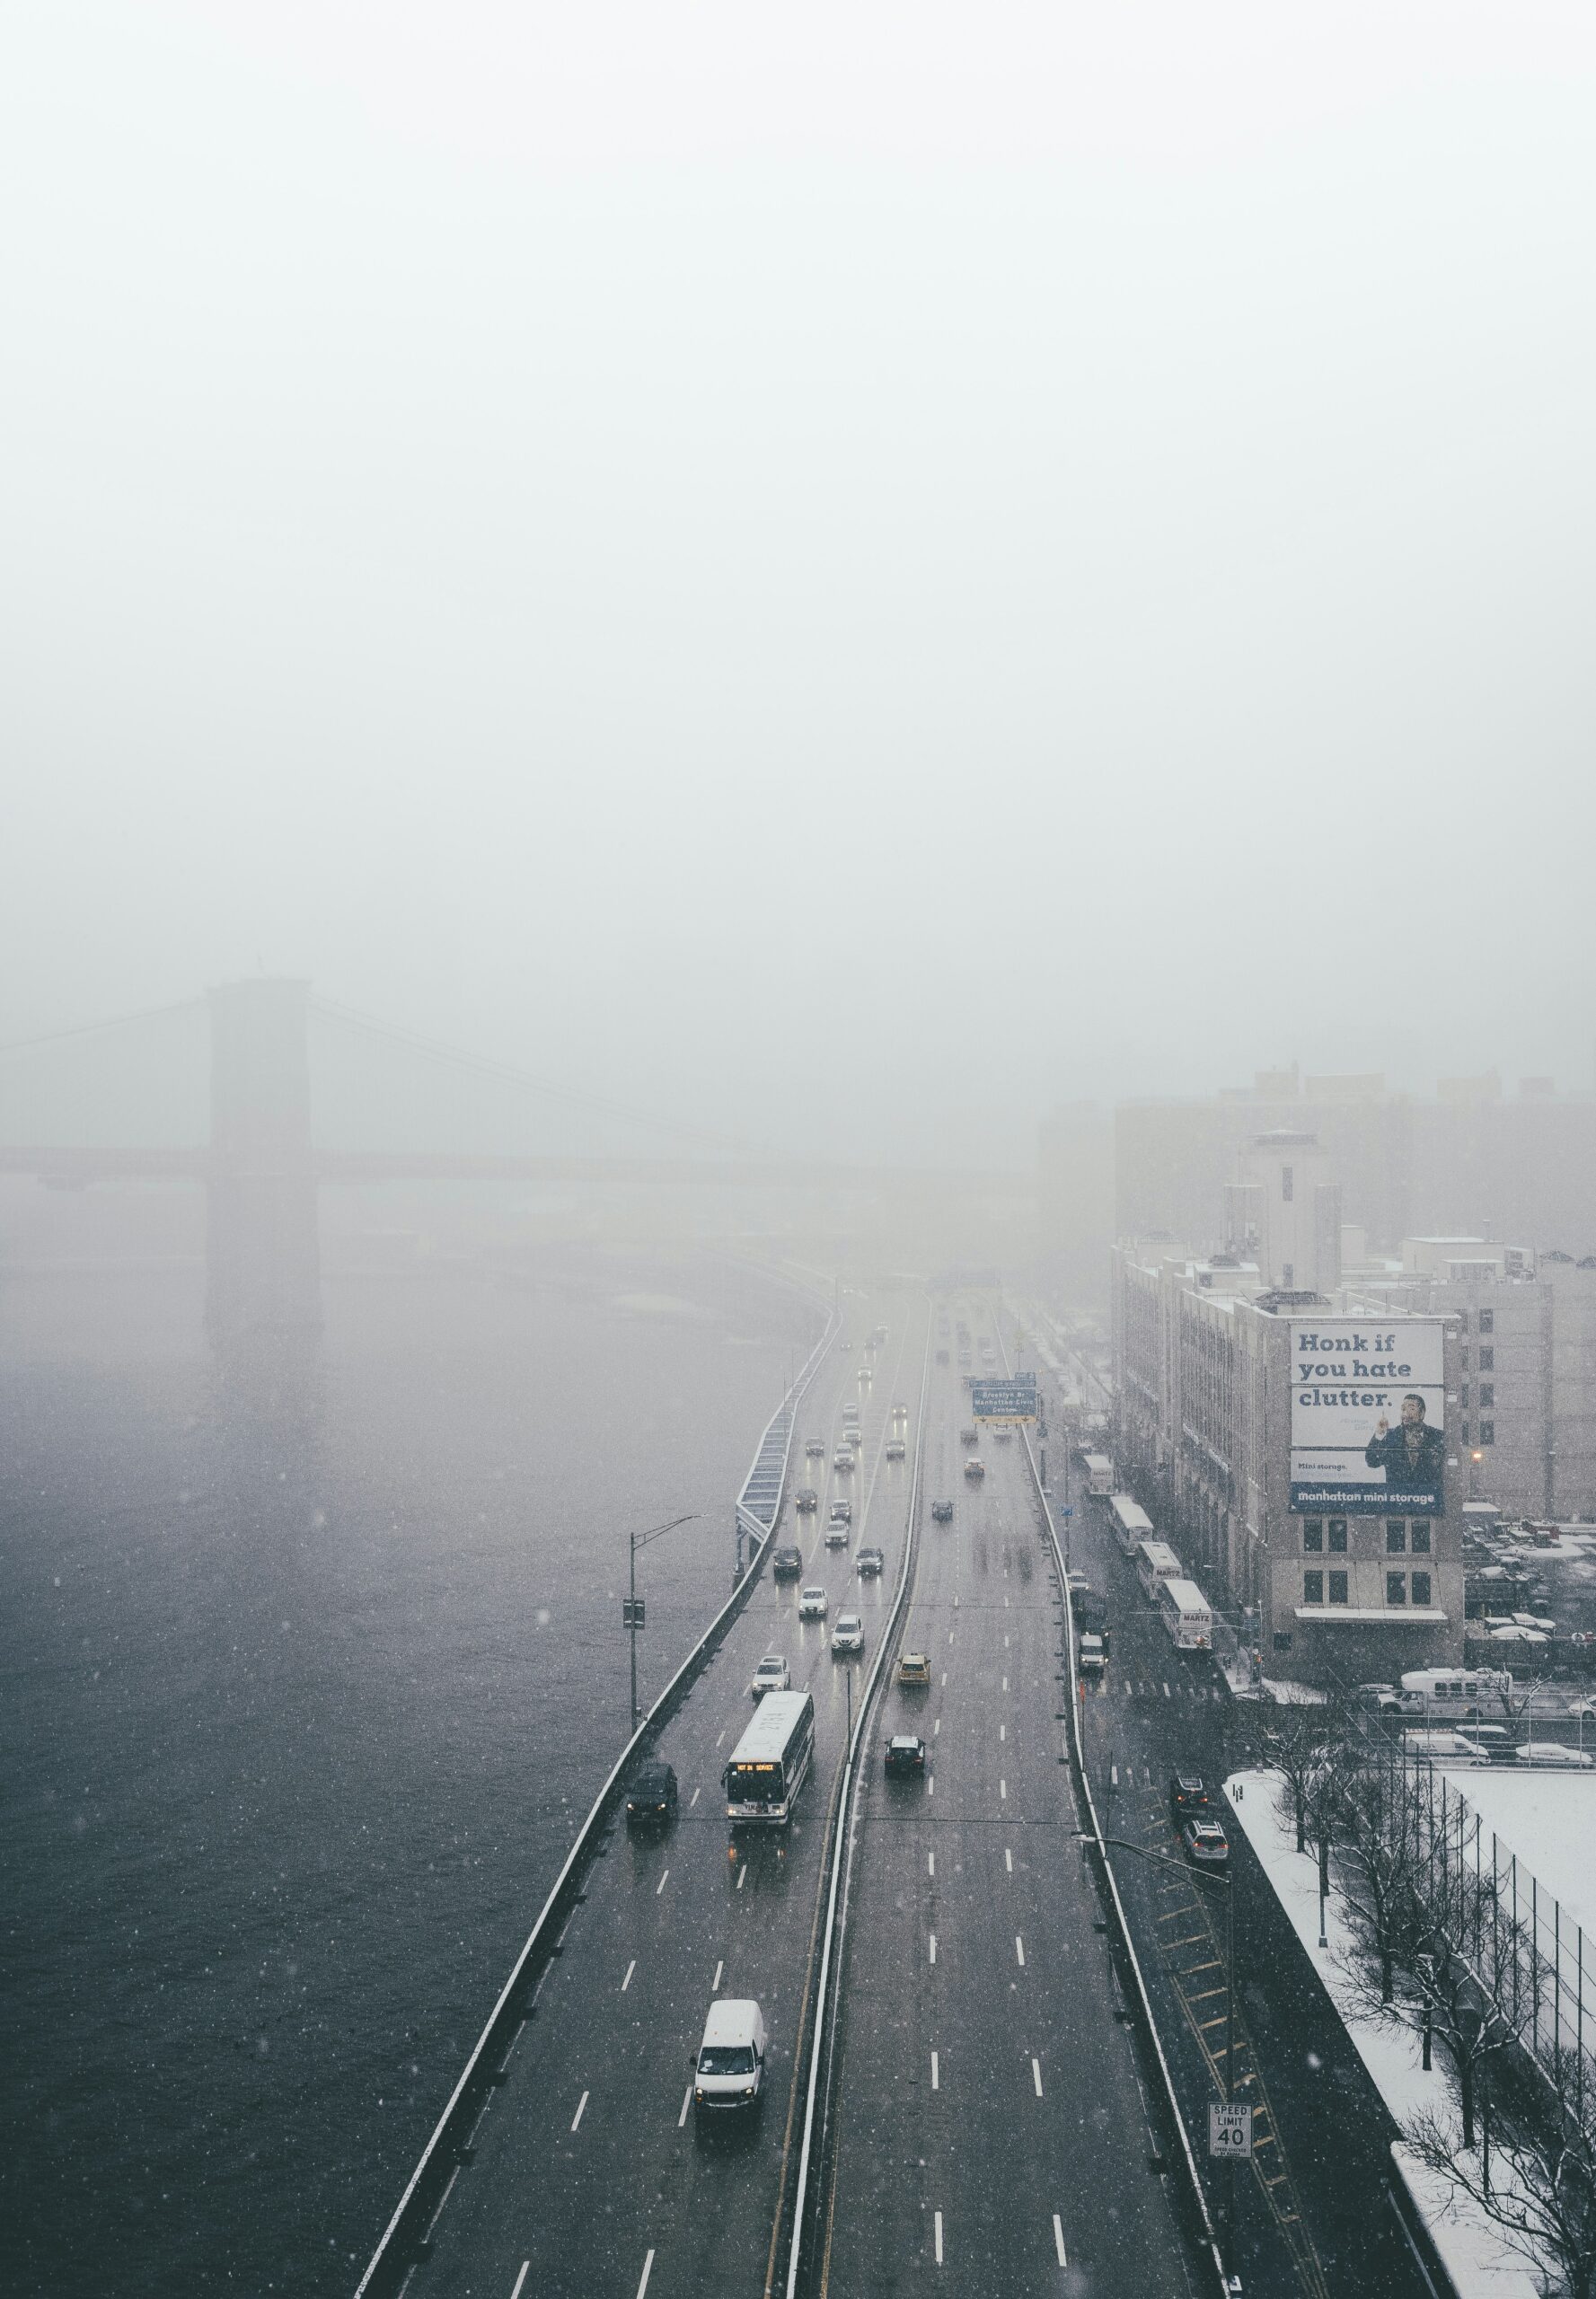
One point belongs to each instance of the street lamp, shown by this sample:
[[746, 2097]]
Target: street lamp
[[1226, 1885], [631, 1604]]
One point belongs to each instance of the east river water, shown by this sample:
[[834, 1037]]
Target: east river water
[[307, 1686]]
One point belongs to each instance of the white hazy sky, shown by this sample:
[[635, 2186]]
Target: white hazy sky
[[1018, 550]]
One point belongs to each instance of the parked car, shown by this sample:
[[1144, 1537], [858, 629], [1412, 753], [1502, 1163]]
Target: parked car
[[772, 1675], [1205, 1841], [848, 1635], [941, 1512], [806, 1501], [906, 1756], [812, 1603], [915, 1670], [869, 1563], [786, 1563], [651, 1800]]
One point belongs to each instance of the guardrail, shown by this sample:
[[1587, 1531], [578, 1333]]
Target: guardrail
[[408, 2236], [827, 2003], [1174, 2121]]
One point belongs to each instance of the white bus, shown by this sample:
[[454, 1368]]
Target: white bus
[[1132, 1523], [1184, 1612], [771, 1762], [1452, 1695], [1100, 1473], [1156, 1560]]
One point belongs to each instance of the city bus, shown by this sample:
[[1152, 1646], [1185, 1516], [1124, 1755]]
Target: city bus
[[1132, 1523], [1184, 1612], [1099, 1474], [771, 1762], [1156, 1560]]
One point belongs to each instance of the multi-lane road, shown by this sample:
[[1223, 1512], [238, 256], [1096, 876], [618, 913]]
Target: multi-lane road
[[986, 2123]]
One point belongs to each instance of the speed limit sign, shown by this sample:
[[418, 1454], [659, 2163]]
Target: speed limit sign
[[1229, 2132]]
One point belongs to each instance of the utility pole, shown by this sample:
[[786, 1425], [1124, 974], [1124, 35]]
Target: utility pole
[[631, 1604]]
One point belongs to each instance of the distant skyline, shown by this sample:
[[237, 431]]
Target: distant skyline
[[845, 580]]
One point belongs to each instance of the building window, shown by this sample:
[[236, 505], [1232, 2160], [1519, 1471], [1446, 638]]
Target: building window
[[1395, 1588], [1286, 1185], [1288, 1276], [1396, 1536], [1338, 1587], [1421, 1588], [1463, 1432], [1421, 1536], [1487, 1394], [1487, 1432], [1282, 1640], [1463, 1397], [1487, 1321], [1313, 1535], [1487, 1361], [1463, 1358], [1313, 1588], [1338, 1536]]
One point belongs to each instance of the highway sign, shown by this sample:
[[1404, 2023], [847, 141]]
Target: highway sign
[[1229, 2132], [1013, 1400]]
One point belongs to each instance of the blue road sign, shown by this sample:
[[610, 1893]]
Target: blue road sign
[[1013, 1400]]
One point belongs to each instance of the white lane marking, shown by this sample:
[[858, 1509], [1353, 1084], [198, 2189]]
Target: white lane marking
[[694, 1798], [1005, 1604], [956, 1604], [936, 2074], [1166, 1692], [718, 1745], [1036, 2075], [1007, 1860], [1019, 1949], [933, 1947], [742, 1876], [930, 1783], [632, 1968], [715, 1983], [938, 2230], [581, 2105], [648, 2272], [1003, 1731], [944, 1676], [660, 1885], [520, 2279], [686, 2104], [1003, 1790], [1005, 1684], [950, 1636], [1058, 2237], [930, 1863], [1005, 1643], [935, 1728]]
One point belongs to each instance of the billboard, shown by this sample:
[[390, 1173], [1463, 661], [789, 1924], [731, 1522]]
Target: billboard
[[1004, 1401], [1368, 1417]]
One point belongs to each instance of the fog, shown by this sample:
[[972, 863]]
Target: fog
[[841, 575]]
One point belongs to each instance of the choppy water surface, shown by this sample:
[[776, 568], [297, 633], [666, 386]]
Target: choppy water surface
[[305, 1693]]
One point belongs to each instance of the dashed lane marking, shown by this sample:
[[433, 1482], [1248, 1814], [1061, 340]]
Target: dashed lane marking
[[938, 2232], [1036, 2075], [1003, 1790], [664, 1872], [1003, 1731], [648, 2272], [930, 1863], [520, 2279], [1019, 1949], [742, 1877], [581, 2110], [933, 1942], [936, 2074], [686, 2104], [1007, 1860], [1058, 2241], [715, 1983]]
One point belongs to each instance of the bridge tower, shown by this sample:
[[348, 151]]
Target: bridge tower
[[264, 1263]]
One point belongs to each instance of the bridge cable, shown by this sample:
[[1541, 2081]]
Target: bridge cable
[[115, 1022]]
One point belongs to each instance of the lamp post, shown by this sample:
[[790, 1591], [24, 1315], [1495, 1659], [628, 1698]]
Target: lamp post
[[1226, 1885], [631, 1604]]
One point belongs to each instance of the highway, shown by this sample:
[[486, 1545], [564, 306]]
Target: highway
[[987, 2123]]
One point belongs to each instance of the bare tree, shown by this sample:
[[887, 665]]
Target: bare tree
[[1379, 1871], [1300, 1741], [1537, 2185]]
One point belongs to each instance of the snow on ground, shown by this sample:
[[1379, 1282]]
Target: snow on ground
[[1292, 1695], [1548, 1819], [1479, 2264]]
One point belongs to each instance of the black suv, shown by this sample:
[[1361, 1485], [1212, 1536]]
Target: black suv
[[868, 1563], [786, 1564], [652, 1799], [941, 1512], [1189, 1796]]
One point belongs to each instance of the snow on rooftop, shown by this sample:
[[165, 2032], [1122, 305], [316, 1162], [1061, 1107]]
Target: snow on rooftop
[[1548, 1820]]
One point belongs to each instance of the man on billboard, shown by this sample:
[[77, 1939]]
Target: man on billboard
[[1412, 1456]]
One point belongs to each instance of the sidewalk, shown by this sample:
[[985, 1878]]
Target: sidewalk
[[1477, 2261]]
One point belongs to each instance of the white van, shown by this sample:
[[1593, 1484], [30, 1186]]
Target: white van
[[1446, 1693], [729, 2066]]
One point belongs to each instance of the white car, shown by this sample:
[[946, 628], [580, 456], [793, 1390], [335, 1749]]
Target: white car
[[772, 1675], [1513, 1635], [838, 1533], [1585, 1708], [812, 1606], [848, 1635]]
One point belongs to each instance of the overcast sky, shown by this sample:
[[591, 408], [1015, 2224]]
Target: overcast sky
[[850, 571]]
